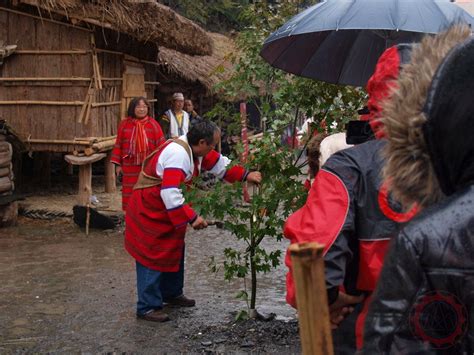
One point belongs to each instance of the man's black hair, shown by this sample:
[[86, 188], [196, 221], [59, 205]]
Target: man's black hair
[[202, 130], [134, 103]]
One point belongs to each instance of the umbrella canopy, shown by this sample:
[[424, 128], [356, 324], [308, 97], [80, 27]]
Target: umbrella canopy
[[340, 41]]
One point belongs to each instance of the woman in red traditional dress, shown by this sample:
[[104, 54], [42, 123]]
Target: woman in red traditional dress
[[138, 135]]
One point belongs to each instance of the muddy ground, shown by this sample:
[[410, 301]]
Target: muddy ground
[[63, 292]]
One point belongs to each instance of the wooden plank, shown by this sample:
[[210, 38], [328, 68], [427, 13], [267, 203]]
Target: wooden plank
[[311, 296], [74, 160], [22, 31]]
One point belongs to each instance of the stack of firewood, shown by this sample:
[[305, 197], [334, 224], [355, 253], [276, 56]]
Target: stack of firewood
[[88, 146], [8, 206], [6, 170]]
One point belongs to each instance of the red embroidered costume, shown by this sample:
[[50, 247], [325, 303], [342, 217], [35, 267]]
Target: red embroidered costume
[[135, 140]]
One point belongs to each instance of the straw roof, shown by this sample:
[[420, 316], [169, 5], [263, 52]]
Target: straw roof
[[207, 70], [158, 23]]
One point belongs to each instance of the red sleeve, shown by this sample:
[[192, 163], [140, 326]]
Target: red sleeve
[[210, 160], [117, 150], [319, 220], [180, 215], [236, 173]]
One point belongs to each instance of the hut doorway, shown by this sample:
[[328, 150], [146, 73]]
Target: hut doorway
[[133, 84]]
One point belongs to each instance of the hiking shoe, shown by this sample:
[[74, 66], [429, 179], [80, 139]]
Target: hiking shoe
[[180, 301], [155, 316]]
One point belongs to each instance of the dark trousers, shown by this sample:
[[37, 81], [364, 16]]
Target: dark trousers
[[155, 287]]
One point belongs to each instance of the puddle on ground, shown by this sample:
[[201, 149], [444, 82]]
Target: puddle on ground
[[62, 291]]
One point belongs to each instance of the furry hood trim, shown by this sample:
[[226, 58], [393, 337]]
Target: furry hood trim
[[408, 166]]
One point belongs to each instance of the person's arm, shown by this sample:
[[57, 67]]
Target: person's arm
[[116, 156], [174, 164], [217, 165], [396, 292]]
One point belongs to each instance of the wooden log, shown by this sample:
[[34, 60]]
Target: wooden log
[[89, 151], [110, 184], [9, 214], [6, 158], [6, 171], [105, 145], [6, 184], [41, 102], [311, 298], [4, 146]]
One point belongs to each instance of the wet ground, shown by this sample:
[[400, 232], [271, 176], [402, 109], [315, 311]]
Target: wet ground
[[64, 292]]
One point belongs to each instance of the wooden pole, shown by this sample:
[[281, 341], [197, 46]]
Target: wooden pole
[[110, 186], [311, 298], [85, 184], [102, 104], [88, 218], [104, 145], [41, 52], [41, 102], [57, 141], [84, 106], [44, 79]]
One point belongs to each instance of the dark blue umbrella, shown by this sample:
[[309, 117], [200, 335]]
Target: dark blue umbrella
[[340, 41]]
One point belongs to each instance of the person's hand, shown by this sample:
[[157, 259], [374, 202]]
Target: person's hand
[[342, 307], [254, 177], [199, 223], [118, 170]]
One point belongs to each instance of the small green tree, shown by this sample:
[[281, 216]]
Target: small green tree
[[262, 217], [279, 98]]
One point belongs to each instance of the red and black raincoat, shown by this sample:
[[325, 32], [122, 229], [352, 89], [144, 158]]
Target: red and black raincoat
[[349, 211]]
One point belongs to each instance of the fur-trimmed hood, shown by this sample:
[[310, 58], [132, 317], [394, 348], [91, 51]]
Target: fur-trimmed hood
[[409, 164]]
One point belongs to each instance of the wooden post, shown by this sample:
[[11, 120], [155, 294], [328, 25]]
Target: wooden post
[[311, 298], [110, 186], [85, 184], [85, 175]]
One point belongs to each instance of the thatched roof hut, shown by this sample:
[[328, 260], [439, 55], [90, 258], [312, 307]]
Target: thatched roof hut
[[206, 70], [195, 75], [157, 23]]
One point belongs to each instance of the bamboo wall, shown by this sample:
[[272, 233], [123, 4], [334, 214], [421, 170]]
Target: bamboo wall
[[48, 107]]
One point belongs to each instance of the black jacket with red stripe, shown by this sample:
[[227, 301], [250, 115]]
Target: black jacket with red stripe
[[355, 257]]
